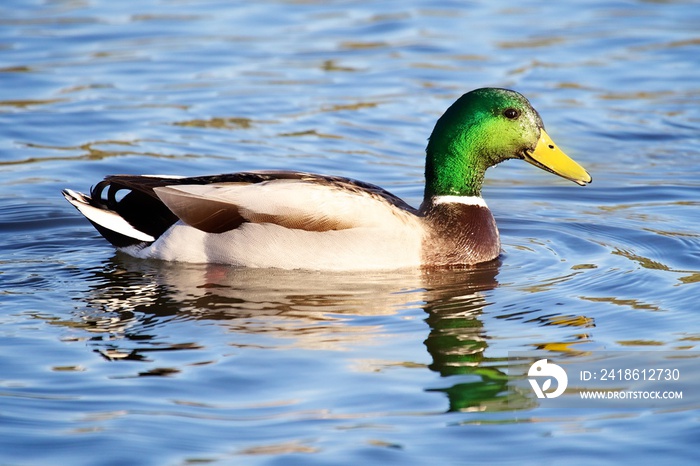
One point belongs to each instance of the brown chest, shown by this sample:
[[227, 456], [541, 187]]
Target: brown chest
[[460, 234]]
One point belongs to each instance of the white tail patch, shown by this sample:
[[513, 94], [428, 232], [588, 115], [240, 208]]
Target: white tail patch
[[105, 218]]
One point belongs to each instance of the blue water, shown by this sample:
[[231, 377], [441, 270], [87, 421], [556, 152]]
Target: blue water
[[111, 360]]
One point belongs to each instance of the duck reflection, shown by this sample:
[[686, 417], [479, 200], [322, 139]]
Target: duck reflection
[[457, 341], [129, 300]]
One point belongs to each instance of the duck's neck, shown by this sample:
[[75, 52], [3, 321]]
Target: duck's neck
[[453, 167], [457, 154]]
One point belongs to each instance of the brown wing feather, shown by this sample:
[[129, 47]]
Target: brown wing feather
[[155, 213], [221, 208], [204, 214]]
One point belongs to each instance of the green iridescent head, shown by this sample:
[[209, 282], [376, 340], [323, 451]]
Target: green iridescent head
[[483, 128]]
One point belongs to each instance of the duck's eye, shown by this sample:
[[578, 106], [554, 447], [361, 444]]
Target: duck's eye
[[511, 113]]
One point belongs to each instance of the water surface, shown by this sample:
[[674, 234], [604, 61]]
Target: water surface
[[110, 360]]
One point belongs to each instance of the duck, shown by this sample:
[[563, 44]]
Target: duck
[[300, 220]]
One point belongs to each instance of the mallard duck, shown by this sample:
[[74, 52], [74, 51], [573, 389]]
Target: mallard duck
[[297, 220]]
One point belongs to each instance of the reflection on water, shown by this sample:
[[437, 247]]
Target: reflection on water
[[312, 309], [129, 301]]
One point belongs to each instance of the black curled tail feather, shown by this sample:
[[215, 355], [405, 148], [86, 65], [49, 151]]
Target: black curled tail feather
[[130, 199], [140, 206]]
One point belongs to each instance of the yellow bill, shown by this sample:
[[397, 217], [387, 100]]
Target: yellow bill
[[549, 157]]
